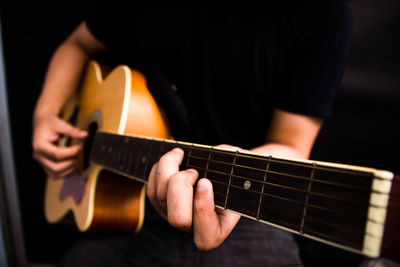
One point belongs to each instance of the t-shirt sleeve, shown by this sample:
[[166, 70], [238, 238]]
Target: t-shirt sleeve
[[318, 58]]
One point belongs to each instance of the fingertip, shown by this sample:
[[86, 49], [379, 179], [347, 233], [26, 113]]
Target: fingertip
[[83, 133], [193, 171], [178, 150], [204, 185], [78, 133]]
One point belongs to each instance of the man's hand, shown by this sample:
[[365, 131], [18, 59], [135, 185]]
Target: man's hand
[[171, 193], [56, 161]]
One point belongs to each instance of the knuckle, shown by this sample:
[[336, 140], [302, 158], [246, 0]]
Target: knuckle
[[161, 195], [57, 155], [179, 220], [151, 192], [36, 147], [164, 156], [176, 178], [204, 245]]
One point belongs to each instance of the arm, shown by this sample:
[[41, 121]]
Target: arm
[[171, 191], [62, 77]]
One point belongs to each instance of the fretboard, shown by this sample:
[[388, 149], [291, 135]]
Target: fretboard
[[328, 202]]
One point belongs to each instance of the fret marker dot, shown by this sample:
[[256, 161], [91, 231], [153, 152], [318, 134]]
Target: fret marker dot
[[143, 159], [247, 184]]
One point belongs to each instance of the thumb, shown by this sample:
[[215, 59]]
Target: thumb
[[211, 226]]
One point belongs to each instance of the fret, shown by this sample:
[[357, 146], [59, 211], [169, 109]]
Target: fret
[[114, 156], [219, 168], [133, 162], [188, 155], [307, 198], [230, 180], [208, 162], [138, 154], [146, 160], [263, 188], [120, 160]]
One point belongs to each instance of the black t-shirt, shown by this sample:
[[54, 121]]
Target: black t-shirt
[[231, 65]]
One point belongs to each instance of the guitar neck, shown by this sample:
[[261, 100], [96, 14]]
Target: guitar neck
[[341, 205]]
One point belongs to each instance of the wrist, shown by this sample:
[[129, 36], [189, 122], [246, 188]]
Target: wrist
[[41, 113]]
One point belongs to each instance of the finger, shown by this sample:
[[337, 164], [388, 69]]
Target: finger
[[229, 147], [57, 153], [151, 192], [159, 176], [69, 130], [180, 199], [59, 169], [64, 174], [167, 166], [210, 227]]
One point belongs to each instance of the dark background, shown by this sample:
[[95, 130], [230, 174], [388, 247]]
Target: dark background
[[363, 130]]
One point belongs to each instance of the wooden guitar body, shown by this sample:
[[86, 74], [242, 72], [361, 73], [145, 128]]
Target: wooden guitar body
[[100, 199]]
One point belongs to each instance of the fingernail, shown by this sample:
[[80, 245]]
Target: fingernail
[[202, 186], [178, 150], [192, 171]]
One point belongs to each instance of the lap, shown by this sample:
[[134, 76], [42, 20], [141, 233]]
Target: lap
[[158, 244]]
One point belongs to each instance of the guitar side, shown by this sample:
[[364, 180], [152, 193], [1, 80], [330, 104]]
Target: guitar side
[[98, 198]]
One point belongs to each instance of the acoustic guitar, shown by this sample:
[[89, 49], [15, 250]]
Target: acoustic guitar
[[351, 207]]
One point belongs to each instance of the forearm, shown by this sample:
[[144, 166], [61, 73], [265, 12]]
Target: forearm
[[290, 135], [280, 150], [65, 70], [62, 78]]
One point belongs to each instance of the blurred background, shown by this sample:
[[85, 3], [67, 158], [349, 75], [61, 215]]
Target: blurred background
[[363, 130]]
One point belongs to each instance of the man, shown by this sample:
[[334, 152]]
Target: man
[[261, 79]]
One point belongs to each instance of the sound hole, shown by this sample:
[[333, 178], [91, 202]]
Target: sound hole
[[87, 145]]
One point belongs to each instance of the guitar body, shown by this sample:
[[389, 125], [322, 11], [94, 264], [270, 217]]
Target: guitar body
[[97, 198]]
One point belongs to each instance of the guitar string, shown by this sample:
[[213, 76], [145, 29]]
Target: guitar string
[[297, 177], [273, 172], [360, 174], [296, 190], [283, 198]]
